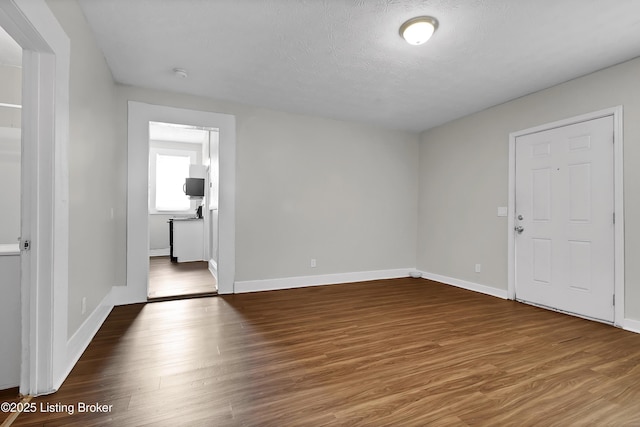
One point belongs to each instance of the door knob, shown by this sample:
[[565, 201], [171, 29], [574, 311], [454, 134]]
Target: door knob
[[519, 229]]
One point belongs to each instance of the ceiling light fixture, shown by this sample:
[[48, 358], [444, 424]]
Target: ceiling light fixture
[[180, 72], [417, 31]]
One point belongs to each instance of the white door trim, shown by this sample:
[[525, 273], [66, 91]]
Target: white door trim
[[45, 130], [139, 116], [616, 112]]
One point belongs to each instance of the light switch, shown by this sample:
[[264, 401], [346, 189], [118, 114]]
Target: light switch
[[502, 211]]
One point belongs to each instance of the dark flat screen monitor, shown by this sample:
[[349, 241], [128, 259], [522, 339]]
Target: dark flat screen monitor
[[194, 187]]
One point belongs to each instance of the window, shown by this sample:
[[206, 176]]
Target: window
[[168, 169], [170, 174]]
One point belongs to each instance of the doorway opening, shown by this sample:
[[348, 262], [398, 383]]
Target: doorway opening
[[183, 205], [10, 214], [223, 263], [566, 216], [44, 209]]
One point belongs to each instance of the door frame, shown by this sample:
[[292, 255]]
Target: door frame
[[139, 116], [44, 192], [618, 190]]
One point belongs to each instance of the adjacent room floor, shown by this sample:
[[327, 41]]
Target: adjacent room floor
[[171, 279], [403, 352]]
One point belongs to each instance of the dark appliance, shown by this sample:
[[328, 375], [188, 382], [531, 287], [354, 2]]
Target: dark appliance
[[194, 187]]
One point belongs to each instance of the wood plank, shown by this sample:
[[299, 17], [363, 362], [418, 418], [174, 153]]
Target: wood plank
[[390, 352], [9, 395], [169, 279]]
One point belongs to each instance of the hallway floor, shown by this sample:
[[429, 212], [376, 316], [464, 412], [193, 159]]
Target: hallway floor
[[170, 279]]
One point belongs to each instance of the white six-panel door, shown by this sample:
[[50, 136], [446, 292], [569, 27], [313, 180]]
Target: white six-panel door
[[564, 205]]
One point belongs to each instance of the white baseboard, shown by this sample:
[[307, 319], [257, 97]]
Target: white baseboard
[[128, 294], [483, 289], [632, 325], [160, 252], [213, 269], [325, 279], [79, 342]]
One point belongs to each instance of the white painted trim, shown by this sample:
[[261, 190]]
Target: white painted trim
[[618, 185], [226, 262], [632, 325], [213, 269], [139, 116], [3, 104], [45, 221], [9, 249], [320, 280], [617, 114], [79, 342], [123, 295], [470, 286], [511, 214], [569, 121], [160, 252]]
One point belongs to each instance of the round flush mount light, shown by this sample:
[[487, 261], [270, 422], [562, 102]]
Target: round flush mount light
[[180, 72], [417, 31]]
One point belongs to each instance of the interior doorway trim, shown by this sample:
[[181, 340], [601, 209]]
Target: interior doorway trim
[[139, 115], [616, 113], [45, 221]]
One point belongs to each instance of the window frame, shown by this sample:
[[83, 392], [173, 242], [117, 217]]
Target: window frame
[[154, 151]]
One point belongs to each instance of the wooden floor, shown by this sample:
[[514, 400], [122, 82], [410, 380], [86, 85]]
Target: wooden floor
[[8, 396], [170, 279], [403, 352]]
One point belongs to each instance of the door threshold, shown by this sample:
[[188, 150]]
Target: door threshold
[[557, 310], [185, 296]]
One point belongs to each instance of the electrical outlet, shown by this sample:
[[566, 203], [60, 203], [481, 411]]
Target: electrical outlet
[[478, 268], [84, 305], [313, 263]]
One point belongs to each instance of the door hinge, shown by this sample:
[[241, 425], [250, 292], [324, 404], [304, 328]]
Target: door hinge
[[25, 245], [614, 300], [614, 217]]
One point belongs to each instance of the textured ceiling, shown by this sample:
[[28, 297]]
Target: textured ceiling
[[344, 59]]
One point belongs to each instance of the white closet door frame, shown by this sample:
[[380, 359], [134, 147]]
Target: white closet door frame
[[45, 210], [616, 113]]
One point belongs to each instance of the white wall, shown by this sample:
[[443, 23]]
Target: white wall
[[159, 232], [9, 315], [464, 178], [343, 193], [10, 129], [10, 117], [97, 174], [10, 93], [10, 167]]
